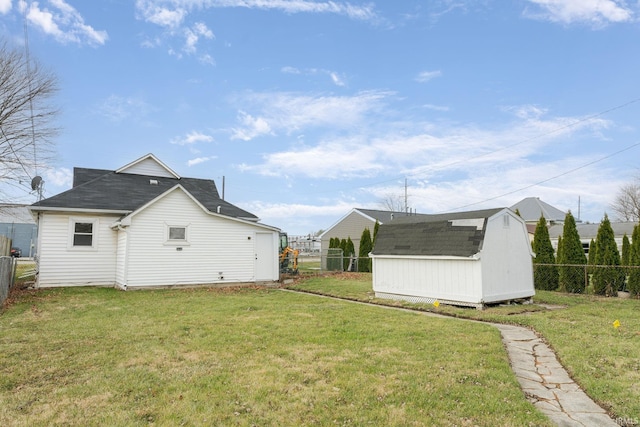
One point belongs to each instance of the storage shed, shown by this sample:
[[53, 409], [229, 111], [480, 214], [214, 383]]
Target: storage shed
[[465, 258]]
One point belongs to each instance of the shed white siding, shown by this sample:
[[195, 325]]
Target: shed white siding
[[507, 268], [65, 265], [427, 279], [217, 250]]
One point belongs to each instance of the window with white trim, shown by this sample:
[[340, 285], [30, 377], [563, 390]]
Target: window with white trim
[[177, 234], [83, 233]]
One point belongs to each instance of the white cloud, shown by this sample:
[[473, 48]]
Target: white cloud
[[332, 160], [595, 12], [5, 6], [118, 109], [436, 107], [424, 151], [192, 137], [199, 160], [152, 9], [64, 23], [192, 35], [252, 127], [425, 76], [290, 112], [335, 77], [62, 177]]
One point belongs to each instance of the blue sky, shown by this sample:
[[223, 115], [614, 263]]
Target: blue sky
[[310, 108]]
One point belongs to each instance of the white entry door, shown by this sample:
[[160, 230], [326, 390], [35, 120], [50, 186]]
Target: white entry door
[[266, 258]]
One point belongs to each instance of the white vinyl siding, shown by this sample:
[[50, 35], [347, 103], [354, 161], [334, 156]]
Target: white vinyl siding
[[148, 167], [62, 264], [121, 259], [220, 250]]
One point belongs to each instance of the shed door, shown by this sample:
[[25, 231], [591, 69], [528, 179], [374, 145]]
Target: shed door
[[266, 258]]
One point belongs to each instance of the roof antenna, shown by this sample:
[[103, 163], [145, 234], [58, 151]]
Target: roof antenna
[[36, 183]]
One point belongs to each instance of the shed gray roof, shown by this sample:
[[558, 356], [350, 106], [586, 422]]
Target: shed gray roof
[[99, 189], [532, 208], [435, 235]]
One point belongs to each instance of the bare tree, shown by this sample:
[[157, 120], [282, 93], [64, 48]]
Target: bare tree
[[626, 205], [393, 203], [26, 118]]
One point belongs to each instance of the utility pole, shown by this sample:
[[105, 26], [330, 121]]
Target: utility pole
[[406, 206]]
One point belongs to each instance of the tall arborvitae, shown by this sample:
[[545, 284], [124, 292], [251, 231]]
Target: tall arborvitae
[[376, 227], [607, 277], [591, 257], [571, 275], [559, 256], [626, 247], [634, 262], [345, 256], [545, 277], [364, 263], [351, 251]]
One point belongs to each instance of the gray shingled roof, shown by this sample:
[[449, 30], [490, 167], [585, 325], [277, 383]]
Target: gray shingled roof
[[99, 189], [433, 235], [531, 208]]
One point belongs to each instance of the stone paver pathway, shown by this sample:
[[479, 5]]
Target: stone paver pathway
[[542, 378], [546, 383]]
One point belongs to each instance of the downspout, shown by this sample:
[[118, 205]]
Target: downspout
[[125, 268]]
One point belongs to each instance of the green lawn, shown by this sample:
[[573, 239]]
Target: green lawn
[[243, 357], [604, 360]]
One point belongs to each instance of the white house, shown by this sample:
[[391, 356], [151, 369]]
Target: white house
[[143, 226], [465, 258]]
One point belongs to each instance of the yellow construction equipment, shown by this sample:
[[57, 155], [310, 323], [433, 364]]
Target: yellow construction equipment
[[288, 256]]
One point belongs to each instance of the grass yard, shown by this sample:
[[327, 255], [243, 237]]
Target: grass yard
[[604, 360], [245, 357]]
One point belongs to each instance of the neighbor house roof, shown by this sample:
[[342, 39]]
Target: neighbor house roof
[[382, 216], [532, 208], [590, 231], [453, 234], [113, 191]]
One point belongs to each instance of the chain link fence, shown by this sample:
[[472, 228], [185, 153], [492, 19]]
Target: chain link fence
[[579, 278]]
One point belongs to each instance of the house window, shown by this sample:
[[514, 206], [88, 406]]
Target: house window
[[178, 233], [83, 233]]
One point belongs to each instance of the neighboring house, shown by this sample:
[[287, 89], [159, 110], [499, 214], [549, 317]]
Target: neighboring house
[[532, 208], [144, 226], [587, 232], [17, 224], [464, 258], [352, 225]]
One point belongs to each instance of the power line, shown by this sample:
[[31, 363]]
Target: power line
[[552, 178]]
